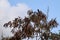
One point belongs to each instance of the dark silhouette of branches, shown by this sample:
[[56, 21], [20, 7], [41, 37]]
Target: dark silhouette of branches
[[26, 29]]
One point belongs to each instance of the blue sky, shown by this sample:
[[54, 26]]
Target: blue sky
[[54, 8]]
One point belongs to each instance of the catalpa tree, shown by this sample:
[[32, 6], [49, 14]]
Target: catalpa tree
[[34, 25]]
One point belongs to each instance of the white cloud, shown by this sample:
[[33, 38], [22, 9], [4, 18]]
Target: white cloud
[[4, 3], [8, 12]]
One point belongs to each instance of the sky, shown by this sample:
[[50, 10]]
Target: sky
[[9, 9]]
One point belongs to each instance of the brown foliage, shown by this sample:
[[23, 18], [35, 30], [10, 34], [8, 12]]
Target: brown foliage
[[27, 29]]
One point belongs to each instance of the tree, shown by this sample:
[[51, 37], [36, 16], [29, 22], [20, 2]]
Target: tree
[[26, 29]]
